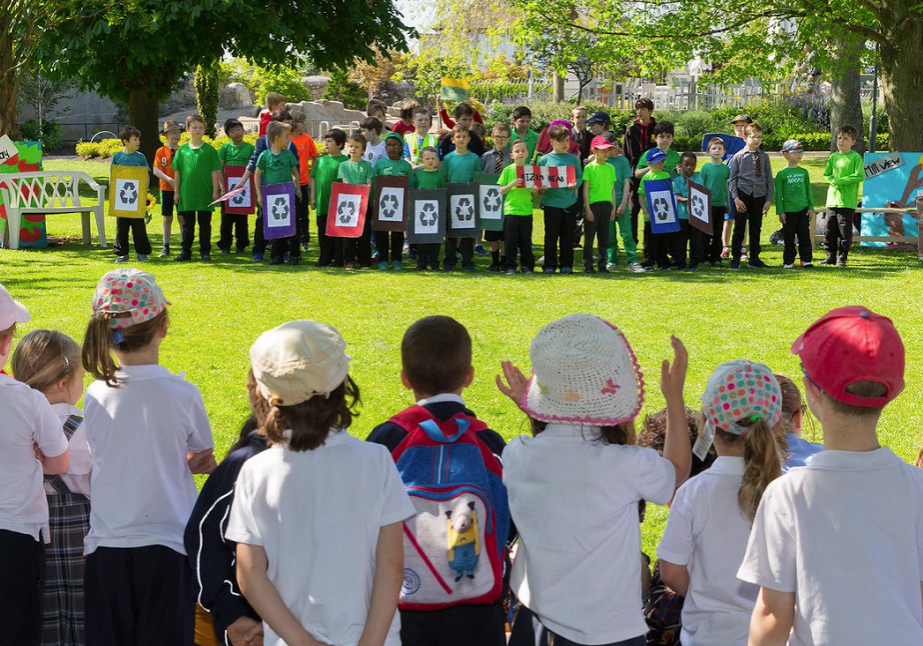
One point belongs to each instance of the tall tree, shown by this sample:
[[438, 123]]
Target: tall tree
[[207, 95]]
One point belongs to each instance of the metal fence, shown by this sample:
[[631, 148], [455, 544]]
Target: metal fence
[[72, 132]]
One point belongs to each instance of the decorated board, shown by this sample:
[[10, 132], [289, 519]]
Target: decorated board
[[26, 159], [547, 176], [128, 191], [490, 202], [462, 220], [699, 207], [891, 180], [426, 224], [391, 202], [661, 204], [348, 206], [242, 203], [279, 210]]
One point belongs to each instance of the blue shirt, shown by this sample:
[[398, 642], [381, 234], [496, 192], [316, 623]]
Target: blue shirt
[[681, 188], [622, 172], [800, 451], [562, 198], [136, 158], [459, 169]]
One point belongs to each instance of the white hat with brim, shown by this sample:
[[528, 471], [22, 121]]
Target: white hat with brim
[[11, 311]]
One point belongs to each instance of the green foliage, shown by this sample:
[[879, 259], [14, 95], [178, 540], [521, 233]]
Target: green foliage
[[352, 95], [108, 147], [49, 133], [544, 112], [207, 93], [279, 78], [499, 91]]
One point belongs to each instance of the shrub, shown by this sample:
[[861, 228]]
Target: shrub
[[284, 80], [349, 93], [49, 133]]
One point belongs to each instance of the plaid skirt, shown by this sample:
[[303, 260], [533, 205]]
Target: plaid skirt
[[69, 516]]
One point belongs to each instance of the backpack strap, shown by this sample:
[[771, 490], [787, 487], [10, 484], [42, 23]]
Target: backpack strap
[[70, 427], [441, 431]]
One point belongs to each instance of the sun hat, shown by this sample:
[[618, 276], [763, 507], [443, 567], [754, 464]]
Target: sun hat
[[562, 123], [298, 360], [599, 117], [792, 146], [655, 156], [128, 297], [583, 372], [848, 345], [600, 143], [735, 391], [745, 118], [11, 311]]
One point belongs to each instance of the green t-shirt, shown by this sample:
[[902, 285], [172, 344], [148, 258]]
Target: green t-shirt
[[136, 158], [601, 178], [681, 189], [622, 172], [351, 172], [276, 169], [517, 201], [386, 166], [793, 190], [669, 164], [716, 177], [323, 173], [844, 173], [233, 155], [459, 169], [562, 197], [428, 179], [194, 167], [531, 140], [642, 192]]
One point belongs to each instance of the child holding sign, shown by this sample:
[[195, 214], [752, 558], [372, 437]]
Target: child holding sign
[[517, 212], [659, 242], [236, 152], [132, 193], [279, 165], [356, 170], [560, 204], [391, 243]]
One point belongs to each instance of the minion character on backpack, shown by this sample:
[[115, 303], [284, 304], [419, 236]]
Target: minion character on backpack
[[464, 549]]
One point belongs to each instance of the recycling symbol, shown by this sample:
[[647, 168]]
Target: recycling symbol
[[239, 198], [464, 209], [698, 207], [492, 200], [129, 193], [661, 208], [280, 208], [428, 215], [388, 207], [346, 211]]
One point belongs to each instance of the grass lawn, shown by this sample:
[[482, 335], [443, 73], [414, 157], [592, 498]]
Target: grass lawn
[[219, 310]]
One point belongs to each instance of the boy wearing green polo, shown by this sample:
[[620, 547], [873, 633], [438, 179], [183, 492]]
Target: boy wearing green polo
[[198, 184], [323, 174], [517, 212], [795, 206]]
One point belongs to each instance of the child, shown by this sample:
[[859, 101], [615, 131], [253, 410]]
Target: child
[[560, 204], [356, 170], [307, 153], [198, 184], [599, 208], [580, 476], [622, 222], [420, 137], [405, 124], [706, 533], [163, 170], [844, 172], [686, 234], [795, 206], [459, 167], [663, 136], [49, 362], [379, 110], [323, 174], [465, 115], [236, 152], [392, 165], [278, 165], [579, 133], [467, 110], [28, 421], [750, 181], [715, 176], [657, 244], [494, 162], [517, 212], [428, 176], [521, 120], [342, 494], [639, 138], [798, 450], [436, 366], [144, 455], [733, 146], [131, 156], [371, 129], [838, 541], [275, 104]]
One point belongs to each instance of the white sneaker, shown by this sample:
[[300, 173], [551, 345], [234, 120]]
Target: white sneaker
[[612, 267], [811, 264], [788, 266], [121, 259], [636, 268], [142, 258]]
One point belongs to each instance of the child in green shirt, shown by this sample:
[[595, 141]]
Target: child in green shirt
[[522, 119], [663, 135], [659, 243], [599, 203], [236, 152], [198, 184], [844, 173], [560, 204], [795, 206], [459, 167], [428, 176], [517, 212], [279, 165], [357, 251], [323, 174], [391, 165], [621, 225], [715, 175]]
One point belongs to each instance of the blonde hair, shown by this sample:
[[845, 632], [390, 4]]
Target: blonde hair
[[274, 99], [99, 343], [298, 117], [762, 462], [45, 357]]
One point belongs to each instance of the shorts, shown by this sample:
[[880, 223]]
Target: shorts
[[493, 236], [166, 203]]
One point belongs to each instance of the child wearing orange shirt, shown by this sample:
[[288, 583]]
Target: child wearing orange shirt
[[307, 153], [162, 171]]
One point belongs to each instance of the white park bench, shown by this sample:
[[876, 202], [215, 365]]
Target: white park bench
[[47, 193]]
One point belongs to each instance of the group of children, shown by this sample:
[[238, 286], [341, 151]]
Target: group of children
[[305, 535], [604, 201]]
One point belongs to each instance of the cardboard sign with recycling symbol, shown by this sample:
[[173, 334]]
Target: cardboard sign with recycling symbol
[[391, 200], [427, 222], [279, 210], [463, 210], [128, 191], [347, 212], [661, 204], [490, 202], [242, 203], [700, 209]]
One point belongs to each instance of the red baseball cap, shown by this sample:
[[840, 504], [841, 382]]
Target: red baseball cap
[[852, 344], [600, 143]]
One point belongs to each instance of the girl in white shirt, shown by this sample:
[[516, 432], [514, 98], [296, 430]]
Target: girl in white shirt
[[706, 534], [574, 486], [49, 362]]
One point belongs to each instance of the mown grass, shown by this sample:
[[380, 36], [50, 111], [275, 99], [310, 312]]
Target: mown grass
[[219, 310]]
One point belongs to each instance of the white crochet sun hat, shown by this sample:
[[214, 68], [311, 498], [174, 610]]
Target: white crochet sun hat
[[583, 372]]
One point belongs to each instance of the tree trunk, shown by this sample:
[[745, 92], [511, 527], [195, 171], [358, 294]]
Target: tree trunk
[[142, 114], [902, 77], [558, 88], [9, 125], [845, 97]]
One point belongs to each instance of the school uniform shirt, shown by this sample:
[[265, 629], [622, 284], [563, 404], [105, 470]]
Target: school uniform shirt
[[743, 177], [323, 173], [844, 172], [517, 201], [141, 489], [799, 451], [489, 160], [162, 162], [793, 190], [27, 419], [845, 534], [80, 458], [195, 167], [459, 169], [307, 151], [601, 178], [374, 152], [562, 197], [318, 514], [715, 178], [681, 188], [707, 532], [575, 504]]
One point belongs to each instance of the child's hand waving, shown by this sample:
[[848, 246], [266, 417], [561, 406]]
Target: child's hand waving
[[516, 380], [672, 378]]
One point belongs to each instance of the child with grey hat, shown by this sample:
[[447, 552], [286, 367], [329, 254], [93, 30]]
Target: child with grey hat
[[795, 206]]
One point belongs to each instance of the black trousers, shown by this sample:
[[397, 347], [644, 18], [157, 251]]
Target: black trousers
[[797, 224], [331, 248], [21, 588], [463, 245], [635, 210], [838, 233], [360, 247], [455, 626], [205, 231], [660, 245], [390, 243], [714, 244], [679, 244], [597, 230], [231, 225], [753, 217], [560, 224], [303, 213], [139, 596], [138, 229], [517, 240], [427, 256], [290, 245], [529, 631]]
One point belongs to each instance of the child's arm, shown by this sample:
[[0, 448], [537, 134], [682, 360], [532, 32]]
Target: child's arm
[[780, 202], [676, 448], [217, 181], [587, 211], [854, 175], [767, 169], [296, 180], [732, 185], [772, 618], [675, 576], [176, 193], [614, 205], [257, 185], [516, 380], [810, 196], [386, 587], [642, 201], [516, 183], [159, 174], [828, 172], [626, 194], [313, 194], [202, 461]]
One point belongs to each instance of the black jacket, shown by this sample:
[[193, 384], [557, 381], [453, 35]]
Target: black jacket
[[638, 139]]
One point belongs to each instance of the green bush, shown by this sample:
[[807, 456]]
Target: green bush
[[284, 80], [108, 147], [352, 95], [49, 133]]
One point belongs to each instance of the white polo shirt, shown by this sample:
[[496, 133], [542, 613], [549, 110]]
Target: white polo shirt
[[26, 418], [845, 534], [141, 489], [707, 532], [318, 514], [575, 503], [80, 460]]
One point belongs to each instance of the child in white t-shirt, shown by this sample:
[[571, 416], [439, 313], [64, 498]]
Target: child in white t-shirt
[[575, 486], [149, 433], [28, 422], [709, 523], [332, 573]]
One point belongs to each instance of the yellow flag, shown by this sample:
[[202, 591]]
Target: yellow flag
[[454, 89], [128, 191]]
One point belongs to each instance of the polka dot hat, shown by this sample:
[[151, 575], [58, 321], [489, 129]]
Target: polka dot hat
[[131, 296]]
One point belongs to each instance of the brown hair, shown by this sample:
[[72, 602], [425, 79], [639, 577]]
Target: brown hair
[[128, 132], [276, 129], [194, 118], [762, 462], [717, 140], [654, 435], [503, 128], [407, 109], [376, 105], [8, 332], [421, 110], [519, 141], [371, 123], [645, 103], [360, 139], [860, 389], [478, 129], [428, 149], [45, 357], [436, 355], [558, 133], [259, 411], [310, 421], [920, 458], [621, 434], [99, 343], [457, 128], [850, 131], [273, 99], [753, 128], [791, 401]]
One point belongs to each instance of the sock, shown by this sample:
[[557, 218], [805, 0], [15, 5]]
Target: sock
[[495, 257], [166, 245]]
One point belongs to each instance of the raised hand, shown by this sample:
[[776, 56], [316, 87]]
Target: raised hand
[[515, 382]]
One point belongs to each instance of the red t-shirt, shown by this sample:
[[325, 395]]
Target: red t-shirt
[[450, 123], [265, 118], [401, 129]]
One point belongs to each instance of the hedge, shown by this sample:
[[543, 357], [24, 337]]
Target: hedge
[[108, 147]]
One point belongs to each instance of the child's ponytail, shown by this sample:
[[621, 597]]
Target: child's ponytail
[[101, 339], [762, 465]]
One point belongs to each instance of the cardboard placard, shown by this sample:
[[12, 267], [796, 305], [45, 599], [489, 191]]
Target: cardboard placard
[[490, 201], [661, 204], [242, 203], [462, 220], [699, 207], [26, 157], [426, 224], [279, 210], [348, 206], [391, 203], [128, 191], [546, 176]]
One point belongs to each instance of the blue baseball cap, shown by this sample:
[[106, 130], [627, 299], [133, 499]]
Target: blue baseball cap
[[655, 156]]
